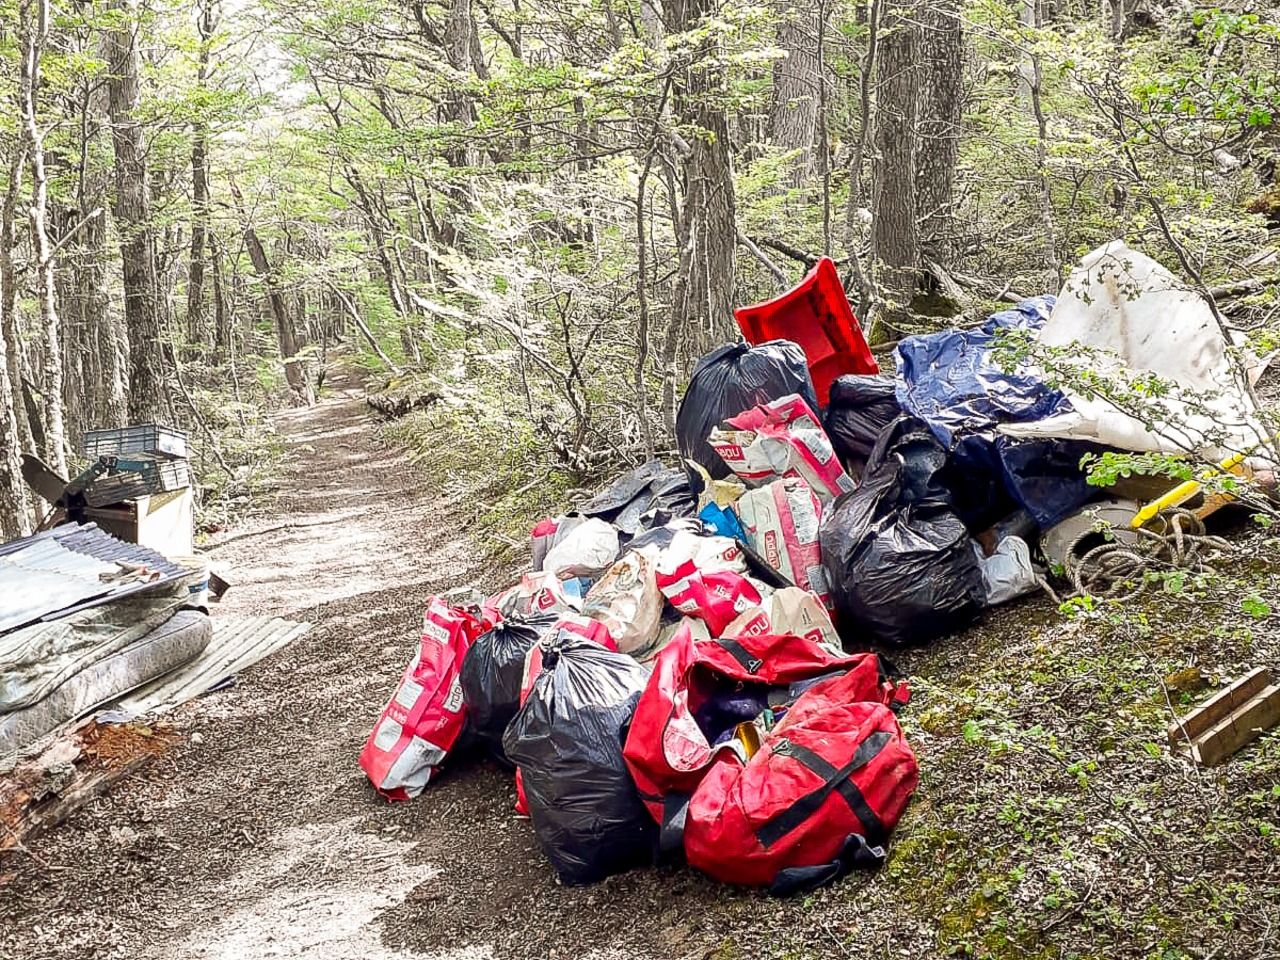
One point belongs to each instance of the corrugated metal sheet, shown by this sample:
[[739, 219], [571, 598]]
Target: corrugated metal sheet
[[68, 568], [236, 645]]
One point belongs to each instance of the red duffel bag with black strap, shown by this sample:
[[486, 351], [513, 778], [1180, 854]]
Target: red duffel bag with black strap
[[700, 691], [819, 797]]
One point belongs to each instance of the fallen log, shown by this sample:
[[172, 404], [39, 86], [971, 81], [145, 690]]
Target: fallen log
[[400, 404], [1238, 288], [41, 791]]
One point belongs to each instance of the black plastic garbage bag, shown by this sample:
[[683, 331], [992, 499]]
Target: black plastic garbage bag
[[650, 495], [492, 673], [567, 741], [729, 380], [899, 561], [860, 407]]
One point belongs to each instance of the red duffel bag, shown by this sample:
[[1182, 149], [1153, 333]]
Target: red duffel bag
[[700, 690], [818, 798]]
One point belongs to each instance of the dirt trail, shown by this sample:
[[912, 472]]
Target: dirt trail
[[258, 838]]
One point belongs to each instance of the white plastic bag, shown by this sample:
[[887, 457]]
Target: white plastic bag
[[1007, 573], [586, 552]]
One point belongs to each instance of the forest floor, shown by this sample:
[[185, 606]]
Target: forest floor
[[1052, 821]]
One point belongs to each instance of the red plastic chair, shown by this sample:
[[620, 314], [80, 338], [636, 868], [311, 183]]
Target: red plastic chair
[[816, 315]]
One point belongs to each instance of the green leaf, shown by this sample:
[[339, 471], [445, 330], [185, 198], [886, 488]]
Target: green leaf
[[1255, 606]]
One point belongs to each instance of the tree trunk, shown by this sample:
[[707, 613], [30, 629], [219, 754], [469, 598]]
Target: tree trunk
[[109, 345], [205, 23], [793, 116], [14, 518], [457, 50], [702, 307], [105, 343], [942, 54], [1122, 12], [1052, 262], [222, 332], [147, 382], [295, 370], [34, 35], [77, 359], [9, 329], [894, 240]]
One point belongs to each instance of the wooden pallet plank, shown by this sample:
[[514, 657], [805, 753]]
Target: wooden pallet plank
[[1216, 708], [1240, 728]]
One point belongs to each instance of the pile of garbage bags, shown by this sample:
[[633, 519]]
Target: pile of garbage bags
[[686, 670]]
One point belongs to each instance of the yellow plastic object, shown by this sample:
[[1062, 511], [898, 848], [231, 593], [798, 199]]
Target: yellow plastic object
[[1184, 491], [749, 737]]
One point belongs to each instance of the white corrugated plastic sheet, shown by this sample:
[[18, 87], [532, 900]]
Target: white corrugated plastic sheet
[[236, 644]]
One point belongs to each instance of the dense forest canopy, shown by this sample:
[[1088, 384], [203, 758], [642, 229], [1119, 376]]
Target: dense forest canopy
[[541, 212]]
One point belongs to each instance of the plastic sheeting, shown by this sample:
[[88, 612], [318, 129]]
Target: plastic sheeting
[[1128, 306], [650, 495], [899, 561], [567, 741], [951, 381], [729, 380]]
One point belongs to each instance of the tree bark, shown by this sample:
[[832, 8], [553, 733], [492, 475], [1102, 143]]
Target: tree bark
[[894, 239], [1122, 12], [105, 344], [206, 23], [295, 370], [1052, 261], [9, 329], [222, 332], [35, 32], [14, 505], [109, 391], [793, 115], [147, 382], [942, 57], [702, 308], [457, 50]]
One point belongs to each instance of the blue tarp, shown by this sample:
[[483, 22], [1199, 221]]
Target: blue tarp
[[951, 381]]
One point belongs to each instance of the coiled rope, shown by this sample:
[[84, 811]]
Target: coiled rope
[[1175, 539]]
